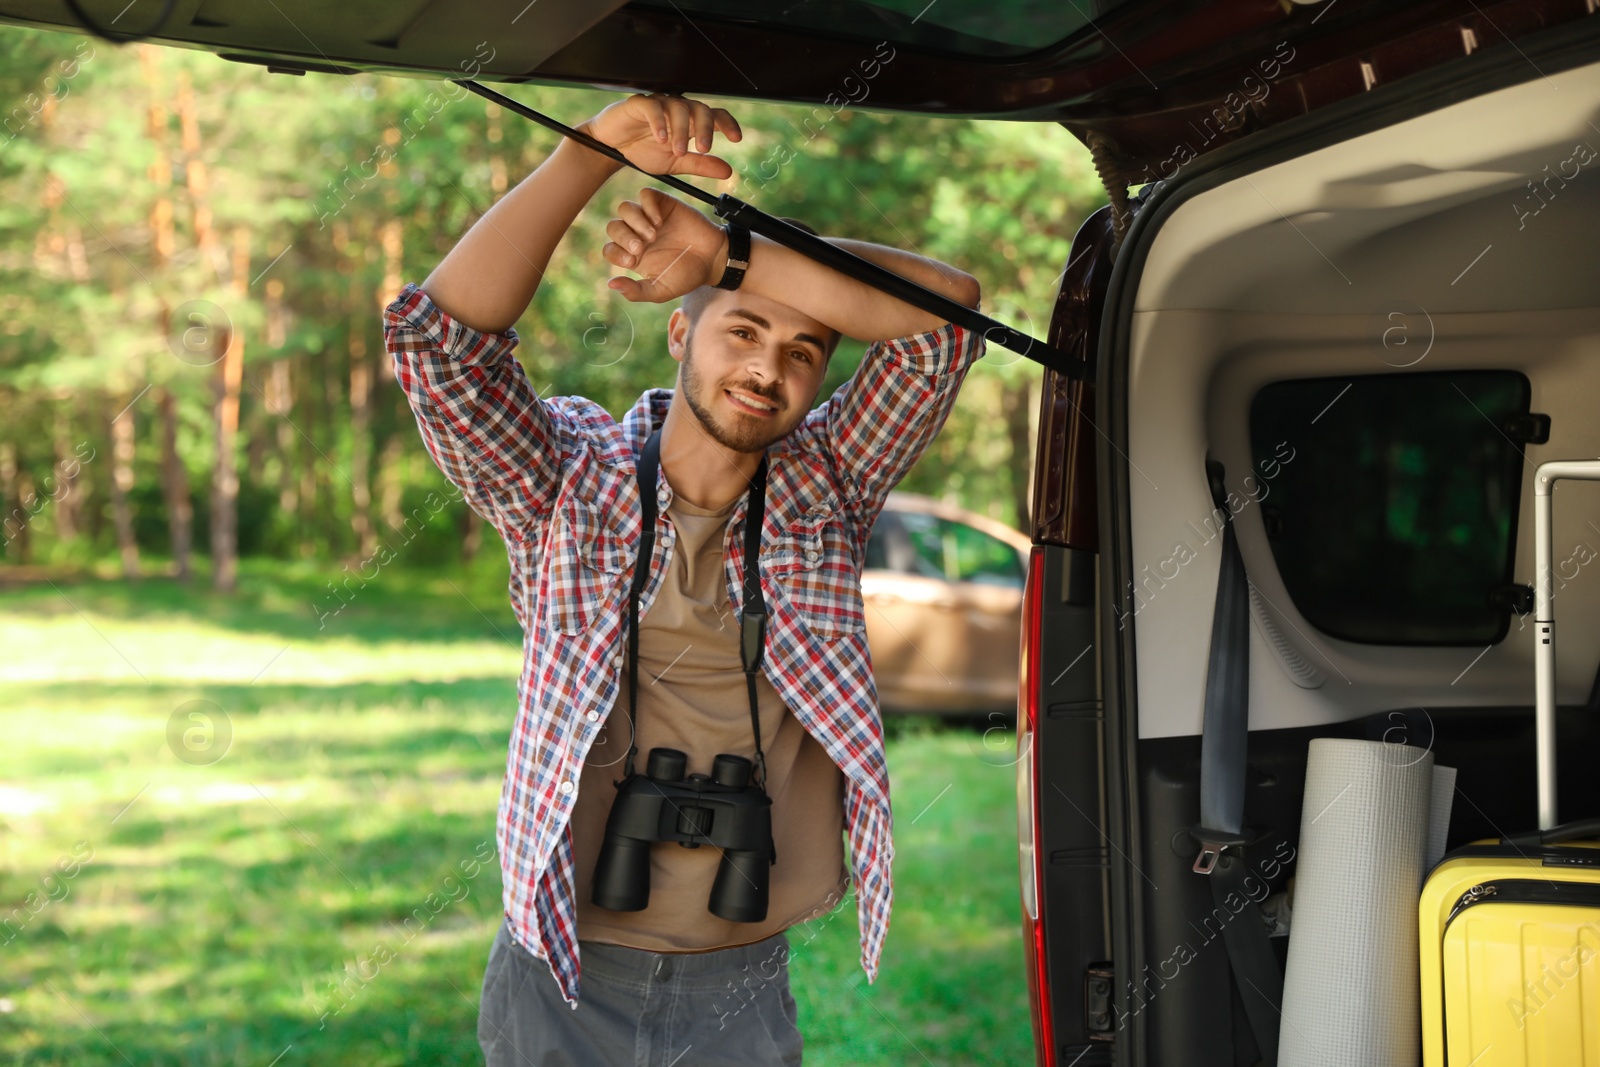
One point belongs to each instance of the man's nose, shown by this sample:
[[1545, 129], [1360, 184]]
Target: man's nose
[[766, 364]]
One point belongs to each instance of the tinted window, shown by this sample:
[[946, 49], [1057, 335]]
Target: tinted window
[[928, 544], [879, 542], [967, 27], [1389, 501], [957, 552], [981, 558]]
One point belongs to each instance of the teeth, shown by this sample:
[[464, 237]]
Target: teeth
[[753, 402]]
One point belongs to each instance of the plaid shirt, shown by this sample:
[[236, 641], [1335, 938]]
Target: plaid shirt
[[556, 478]]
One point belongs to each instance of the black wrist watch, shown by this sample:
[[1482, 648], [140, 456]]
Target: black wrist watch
[[738, 256]]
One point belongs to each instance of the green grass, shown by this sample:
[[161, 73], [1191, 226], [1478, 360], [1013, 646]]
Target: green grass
[[246, 907]]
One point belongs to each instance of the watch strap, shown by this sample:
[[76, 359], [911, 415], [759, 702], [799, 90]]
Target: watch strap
[[738, 256]]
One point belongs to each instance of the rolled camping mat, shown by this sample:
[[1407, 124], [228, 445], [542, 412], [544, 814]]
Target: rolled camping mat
[[1350, 996]]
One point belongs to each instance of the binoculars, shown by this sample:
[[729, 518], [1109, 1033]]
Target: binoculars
[[724, 809]]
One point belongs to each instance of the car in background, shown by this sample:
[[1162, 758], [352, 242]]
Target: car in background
[[943, 589]]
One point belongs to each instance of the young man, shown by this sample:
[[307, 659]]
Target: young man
[[557, 478]]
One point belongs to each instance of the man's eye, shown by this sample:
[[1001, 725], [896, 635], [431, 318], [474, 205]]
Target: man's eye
[[802, 354], [740, 331]]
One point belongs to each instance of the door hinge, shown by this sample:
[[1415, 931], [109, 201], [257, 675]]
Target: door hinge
[[1098, 983]]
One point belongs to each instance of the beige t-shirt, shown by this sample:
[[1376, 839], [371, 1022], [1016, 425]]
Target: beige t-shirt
[[693, 697]]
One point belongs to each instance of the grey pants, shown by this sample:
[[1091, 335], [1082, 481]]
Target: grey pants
[[641, 1009]]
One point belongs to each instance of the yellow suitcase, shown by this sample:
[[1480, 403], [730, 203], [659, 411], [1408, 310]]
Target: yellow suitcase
[[1511, 957], [1511, 930]]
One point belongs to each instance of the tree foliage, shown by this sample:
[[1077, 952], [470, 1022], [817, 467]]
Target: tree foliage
[[158, 202]]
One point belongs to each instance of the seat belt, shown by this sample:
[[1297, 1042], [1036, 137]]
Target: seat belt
[[1224, 741]]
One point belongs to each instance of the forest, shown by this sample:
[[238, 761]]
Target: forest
[[196, 254]]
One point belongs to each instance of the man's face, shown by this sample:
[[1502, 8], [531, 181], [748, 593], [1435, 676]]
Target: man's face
[[752, 367]]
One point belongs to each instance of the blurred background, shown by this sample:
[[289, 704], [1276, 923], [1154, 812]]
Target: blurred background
[[259, 664]]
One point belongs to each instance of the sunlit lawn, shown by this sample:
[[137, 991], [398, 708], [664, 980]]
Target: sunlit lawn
[[252, 910]]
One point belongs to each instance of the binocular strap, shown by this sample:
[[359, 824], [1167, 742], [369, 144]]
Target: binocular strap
[[753, 617]]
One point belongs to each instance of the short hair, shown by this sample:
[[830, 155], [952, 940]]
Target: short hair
[[695, 300]]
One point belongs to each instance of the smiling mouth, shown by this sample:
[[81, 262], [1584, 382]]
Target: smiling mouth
[[752, 405]]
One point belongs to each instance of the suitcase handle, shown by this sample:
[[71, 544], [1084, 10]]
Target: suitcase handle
[[1572, 831], [1544, 628]]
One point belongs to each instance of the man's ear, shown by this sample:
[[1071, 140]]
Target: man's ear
[[678, 327]]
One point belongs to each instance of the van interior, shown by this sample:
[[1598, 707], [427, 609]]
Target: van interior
[[1379, 340]]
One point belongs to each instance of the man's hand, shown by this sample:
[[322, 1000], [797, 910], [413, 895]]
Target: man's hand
[[654, 132], [674, 247], [488, 278]]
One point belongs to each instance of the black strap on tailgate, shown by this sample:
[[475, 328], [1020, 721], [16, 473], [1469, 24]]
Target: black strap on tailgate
[[849, 264], [1224, 741]]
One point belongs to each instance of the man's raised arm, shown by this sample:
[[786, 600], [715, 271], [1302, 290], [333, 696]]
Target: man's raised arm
[[451, 339], [855, 308], [676, 249], [492, 273]]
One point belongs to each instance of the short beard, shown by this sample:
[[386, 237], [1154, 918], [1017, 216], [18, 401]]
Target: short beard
[[747, 435]]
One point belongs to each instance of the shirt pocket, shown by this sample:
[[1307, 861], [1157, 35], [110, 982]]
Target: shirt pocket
[[810, 562], [585, 568]]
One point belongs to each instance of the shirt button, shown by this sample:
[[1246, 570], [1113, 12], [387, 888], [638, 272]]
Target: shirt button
[[593, 716], [812, 555], [566, 787]]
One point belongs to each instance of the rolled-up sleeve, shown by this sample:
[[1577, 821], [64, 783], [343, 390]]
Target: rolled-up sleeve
[[481, 420], [880, 422]]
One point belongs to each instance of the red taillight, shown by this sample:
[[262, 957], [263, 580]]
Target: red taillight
[[1028, 811]]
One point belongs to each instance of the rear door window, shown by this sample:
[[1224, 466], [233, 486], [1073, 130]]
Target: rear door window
[[1393, 519]]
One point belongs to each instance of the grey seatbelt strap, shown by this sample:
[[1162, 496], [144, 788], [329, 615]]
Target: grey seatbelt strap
[[1225, 732], [1224, 742]]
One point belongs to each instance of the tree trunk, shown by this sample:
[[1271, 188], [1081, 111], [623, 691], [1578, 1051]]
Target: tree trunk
[[164, 244], [164, 240], [393, 253], [310, 503], [175, 485], [360, 410], [28, 497], [497, 159], [96, 487], [66, 514], [280, 402], [1018, 407], [225, 483], [67, 519], [392, 475], [122, 438], [330, 406], [360, 444], [14, 522], [195, 176], [256, 442], [472, 538]]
